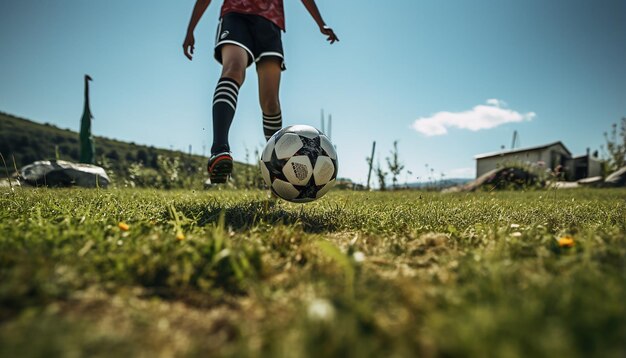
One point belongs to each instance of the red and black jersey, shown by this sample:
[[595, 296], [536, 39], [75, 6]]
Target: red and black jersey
[[269, 9]]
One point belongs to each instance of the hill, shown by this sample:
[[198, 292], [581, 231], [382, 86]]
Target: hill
[[128, 164]]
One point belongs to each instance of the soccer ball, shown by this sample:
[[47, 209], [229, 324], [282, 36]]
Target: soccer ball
[[299, 164]]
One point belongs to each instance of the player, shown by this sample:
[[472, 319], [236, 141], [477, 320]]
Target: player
[[249, 31]]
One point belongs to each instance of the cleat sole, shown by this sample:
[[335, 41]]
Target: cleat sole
[[221, 170]]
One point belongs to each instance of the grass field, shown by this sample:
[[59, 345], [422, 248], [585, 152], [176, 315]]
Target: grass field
[[223, 273]]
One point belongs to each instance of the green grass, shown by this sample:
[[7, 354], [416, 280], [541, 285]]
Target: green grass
[[354, 274]]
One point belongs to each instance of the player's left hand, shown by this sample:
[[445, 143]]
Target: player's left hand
[[330, 33]]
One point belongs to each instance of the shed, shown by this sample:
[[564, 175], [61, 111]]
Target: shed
[[548, 156]]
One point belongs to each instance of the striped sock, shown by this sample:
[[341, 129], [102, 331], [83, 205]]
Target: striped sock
[[224, 106], [272, 124]]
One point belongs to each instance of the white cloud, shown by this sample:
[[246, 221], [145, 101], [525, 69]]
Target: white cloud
[[496, 102], [482, 116]]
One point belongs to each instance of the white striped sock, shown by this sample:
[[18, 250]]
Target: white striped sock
[[272, 124]]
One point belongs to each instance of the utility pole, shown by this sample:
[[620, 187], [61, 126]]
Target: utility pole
[[322, 121], [515, 140], [369, 173]]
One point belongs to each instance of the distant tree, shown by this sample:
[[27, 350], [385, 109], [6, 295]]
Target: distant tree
[[395, 167], [28, 158], [64, 149], [382, 177], [113, 155], [154, 159], [370, 165], [616, 146], [5, 148], [142, 156], [74, 153], [35, 146], [130, 157]]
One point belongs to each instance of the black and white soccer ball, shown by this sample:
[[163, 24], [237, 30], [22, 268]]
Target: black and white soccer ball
[[299, 164]]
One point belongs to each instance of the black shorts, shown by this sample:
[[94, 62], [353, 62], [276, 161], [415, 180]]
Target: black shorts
[[257, 35]]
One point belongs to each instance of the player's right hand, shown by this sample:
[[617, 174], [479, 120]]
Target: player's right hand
[[330, 33], [188, 45]]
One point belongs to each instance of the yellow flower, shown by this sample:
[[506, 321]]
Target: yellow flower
[[180, 236], [123, 226], [566, 241]]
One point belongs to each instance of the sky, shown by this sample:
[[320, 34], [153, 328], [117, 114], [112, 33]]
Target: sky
[[447, 79]]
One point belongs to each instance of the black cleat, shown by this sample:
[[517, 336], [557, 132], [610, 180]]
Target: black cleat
[[220, 167]]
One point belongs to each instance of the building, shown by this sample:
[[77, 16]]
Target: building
[[584, 166], [548, 156]]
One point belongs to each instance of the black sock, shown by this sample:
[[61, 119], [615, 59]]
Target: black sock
[[224, 105], [272, 124]]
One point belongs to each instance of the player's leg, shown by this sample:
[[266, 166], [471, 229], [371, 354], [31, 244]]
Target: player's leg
[[268, 55], [269, 71], [233, 44], [234, 62]]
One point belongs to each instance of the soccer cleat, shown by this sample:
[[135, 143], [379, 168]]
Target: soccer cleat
[[220, 167]]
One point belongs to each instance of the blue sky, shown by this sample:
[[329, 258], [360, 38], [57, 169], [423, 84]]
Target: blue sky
[[447, 79]]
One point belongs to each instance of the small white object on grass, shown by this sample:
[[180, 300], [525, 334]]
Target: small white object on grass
[[358, 257], [320, 309]]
